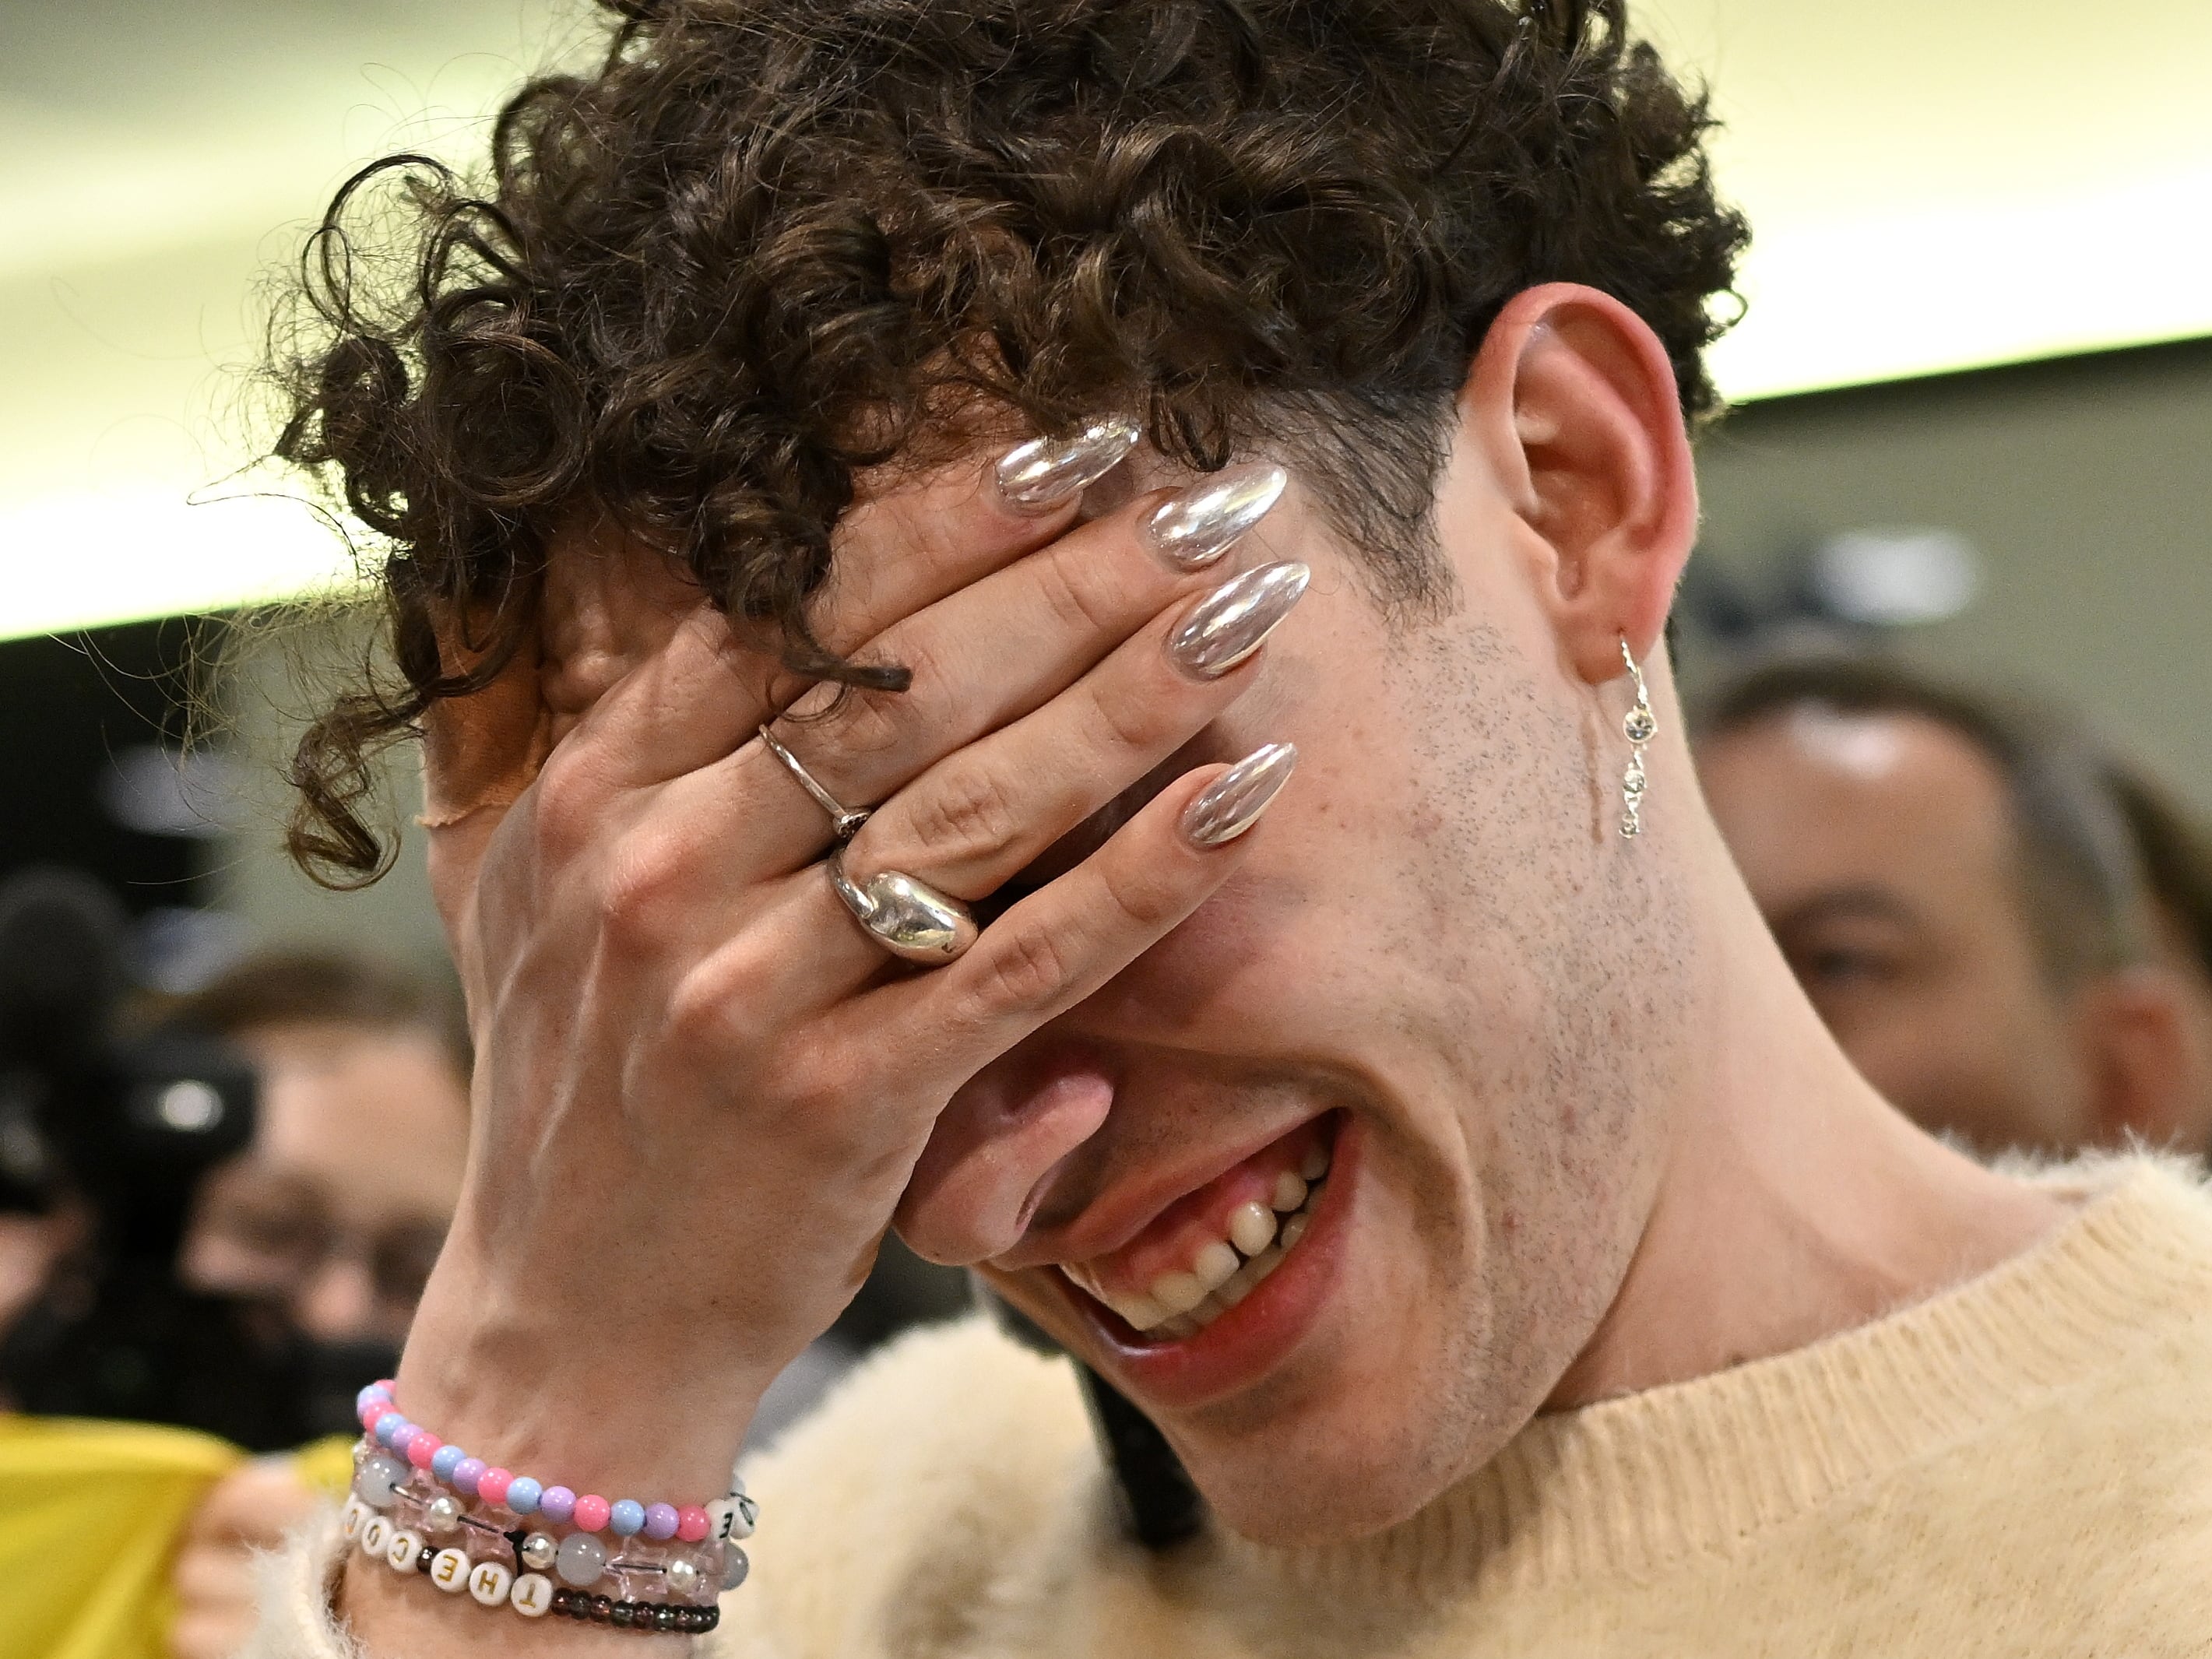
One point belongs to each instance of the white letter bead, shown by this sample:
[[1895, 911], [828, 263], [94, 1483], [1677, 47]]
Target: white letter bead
[[352, 1516], [407, 1549], [532, 1594], [449, 1571], [490, 1582], [376, 1536], [730, 1517]]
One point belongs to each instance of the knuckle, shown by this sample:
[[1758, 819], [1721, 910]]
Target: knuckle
[[1132, 723], [1143, 900], [567, 806], [966, 814], [1064, 588], [640, 890], [815, 1096], [811, 1075], [1027, 964], [863, 720], [709, 1012], [819, 1091]]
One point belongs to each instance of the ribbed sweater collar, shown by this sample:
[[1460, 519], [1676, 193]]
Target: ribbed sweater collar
[[1626, 1485]]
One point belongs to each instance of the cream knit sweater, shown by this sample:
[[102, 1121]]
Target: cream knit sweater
[[2019, 1465]]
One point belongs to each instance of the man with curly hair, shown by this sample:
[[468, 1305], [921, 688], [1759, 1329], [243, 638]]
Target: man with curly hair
[[882, 495]]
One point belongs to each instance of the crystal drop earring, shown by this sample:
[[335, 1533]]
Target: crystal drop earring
[[1639, 726]]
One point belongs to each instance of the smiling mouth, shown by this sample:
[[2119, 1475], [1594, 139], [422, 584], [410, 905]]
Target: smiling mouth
[[1233, 1235]]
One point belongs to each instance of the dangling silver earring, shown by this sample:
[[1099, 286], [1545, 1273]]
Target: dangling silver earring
[[1639, 725]]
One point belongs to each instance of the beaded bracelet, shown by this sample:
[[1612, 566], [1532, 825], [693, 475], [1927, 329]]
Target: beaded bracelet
[[661, 1585], [726, 1518], [531, 1594]]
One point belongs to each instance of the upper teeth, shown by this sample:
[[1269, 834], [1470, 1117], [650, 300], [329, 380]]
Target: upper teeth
[[1226, 1270]]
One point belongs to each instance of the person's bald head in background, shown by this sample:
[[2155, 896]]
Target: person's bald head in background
[[1957, 890]]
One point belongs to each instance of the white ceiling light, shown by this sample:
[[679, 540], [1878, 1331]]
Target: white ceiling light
[[83, 559]]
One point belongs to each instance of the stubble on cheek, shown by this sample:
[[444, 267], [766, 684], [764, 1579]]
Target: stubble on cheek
[[1553, 967]]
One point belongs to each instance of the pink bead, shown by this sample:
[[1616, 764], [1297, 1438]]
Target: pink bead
[[492, 1484], [370, 1412], [423, 1448], [591, 1512], [691, 1523]]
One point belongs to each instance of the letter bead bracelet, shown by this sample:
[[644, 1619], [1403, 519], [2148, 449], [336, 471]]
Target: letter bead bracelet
[[464, 1530]]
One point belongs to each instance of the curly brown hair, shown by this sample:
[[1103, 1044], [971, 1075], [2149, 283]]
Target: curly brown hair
[[768, 242]]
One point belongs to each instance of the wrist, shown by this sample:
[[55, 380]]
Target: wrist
[[651, 1415]]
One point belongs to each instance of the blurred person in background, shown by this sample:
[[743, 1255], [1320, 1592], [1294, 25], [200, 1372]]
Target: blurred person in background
[[328, 1222], [1957, 889], [315, 1241]]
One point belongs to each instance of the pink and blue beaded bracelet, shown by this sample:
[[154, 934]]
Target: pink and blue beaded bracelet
[[727, 1518]]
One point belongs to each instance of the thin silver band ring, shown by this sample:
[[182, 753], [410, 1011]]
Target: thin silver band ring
[[844, 821]]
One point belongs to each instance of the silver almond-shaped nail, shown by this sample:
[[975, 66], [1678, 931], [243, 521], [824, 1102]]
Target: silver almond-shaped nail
[[1204, 522], [1232, 622], [1232, 803], [1044, 473]]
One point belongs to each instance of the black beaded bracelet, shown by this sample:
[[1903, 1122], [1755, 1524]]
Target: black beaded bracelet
[[652, 1617]]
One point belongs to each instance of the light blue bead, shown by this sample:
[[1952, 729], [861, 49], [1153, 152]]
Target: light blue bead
[[443, 1459], [372, 1392], [388, 1426], [522, 1494], [625, 1517]]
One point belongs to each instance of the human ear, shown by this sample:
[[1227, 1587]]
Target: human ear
[[1574, 403], [2146, 1073]]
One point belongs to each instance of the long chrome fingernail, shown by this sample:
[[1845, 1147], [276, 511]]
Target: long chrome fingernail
[[1045, 472], [1200, 524], [1232, 803], [1230, 623]]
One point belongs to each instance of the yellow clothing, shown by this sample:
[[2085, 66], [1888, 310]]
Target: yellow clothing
[[2018, 1467], [90, 1516]]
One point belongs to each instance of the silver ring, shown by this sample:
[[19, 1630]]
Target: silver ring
[[909, 918], [844, 821]]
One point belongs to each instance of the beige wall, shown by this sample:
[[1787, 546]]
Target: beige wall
[[278, 676]]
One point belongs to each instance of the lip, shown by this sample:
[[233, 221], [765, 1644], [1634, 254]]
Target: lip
[[1111, 1222], [1252, 1337]]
